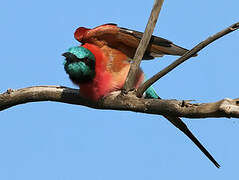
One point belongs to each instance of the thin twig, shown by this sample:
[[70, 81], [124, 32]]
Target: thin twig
[[129, 83], [186, 56]]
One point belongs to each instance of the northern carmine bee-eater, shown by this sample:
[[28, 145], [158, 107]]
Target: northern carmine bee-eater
[[101, 64]]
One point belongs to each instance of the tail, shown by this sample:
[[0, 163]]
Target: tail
[[176, 121]]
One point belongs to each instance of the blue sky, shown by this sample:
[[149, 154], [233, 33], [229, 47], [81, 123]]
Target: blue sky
[[58, 141]]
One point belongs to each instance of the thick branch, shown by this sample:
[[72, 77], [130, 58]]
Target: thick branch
[[129, 83], [43, 93], [116, 101], [186, 56]]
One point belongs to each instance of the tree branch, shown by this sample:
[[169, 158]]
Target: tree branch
[[129, 83], [117, 101], [186, 56]]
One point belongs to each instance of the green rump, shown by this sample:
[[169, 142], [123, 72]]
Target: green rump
[[151, 94]]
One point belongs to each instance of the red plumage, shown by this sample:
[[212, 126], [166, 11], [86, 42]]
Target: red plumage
[[109, 76], [126, 41], [114, 48]]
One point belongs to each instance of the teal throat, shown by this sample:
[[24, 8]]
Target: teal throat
[[79, 64], [79, 70]]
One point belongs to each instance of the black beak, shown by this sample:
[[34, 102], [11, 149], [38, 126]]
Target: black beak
[[70, 57], [67, 54]]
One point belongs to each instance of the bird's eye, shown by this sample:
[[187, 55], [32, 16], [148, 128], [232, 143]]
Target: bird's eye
[[88, 62], [85, 60]]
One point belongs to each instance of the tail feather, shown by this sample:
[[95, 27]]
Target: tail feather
[[177, 122]]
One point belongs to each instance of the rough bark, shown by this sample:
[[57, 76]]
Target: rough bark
[[185, 57], [119, 101]]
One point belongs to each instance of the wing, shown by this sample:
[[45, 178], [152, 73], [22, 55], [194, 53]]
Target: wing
[[127, 40]]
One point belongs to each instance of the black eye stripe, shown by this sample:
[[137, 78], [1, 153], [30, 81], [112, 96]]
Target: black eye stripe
[[88, 62], [85, 60], [71, 58]]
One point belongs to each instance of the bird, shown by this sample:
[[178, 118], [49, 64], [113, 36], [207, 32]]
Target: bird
[[101, 63]]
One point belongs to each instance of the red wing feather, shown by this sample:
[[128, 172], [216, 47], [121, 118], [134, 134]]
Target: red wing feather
[[127, 40]]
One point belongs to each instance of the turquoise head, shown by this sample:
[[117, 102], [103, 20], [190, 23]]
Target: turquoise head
[[79, 64]]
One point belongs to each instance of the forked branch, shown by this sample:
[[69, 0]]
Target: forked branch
[[185, 57], [143, 45]]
